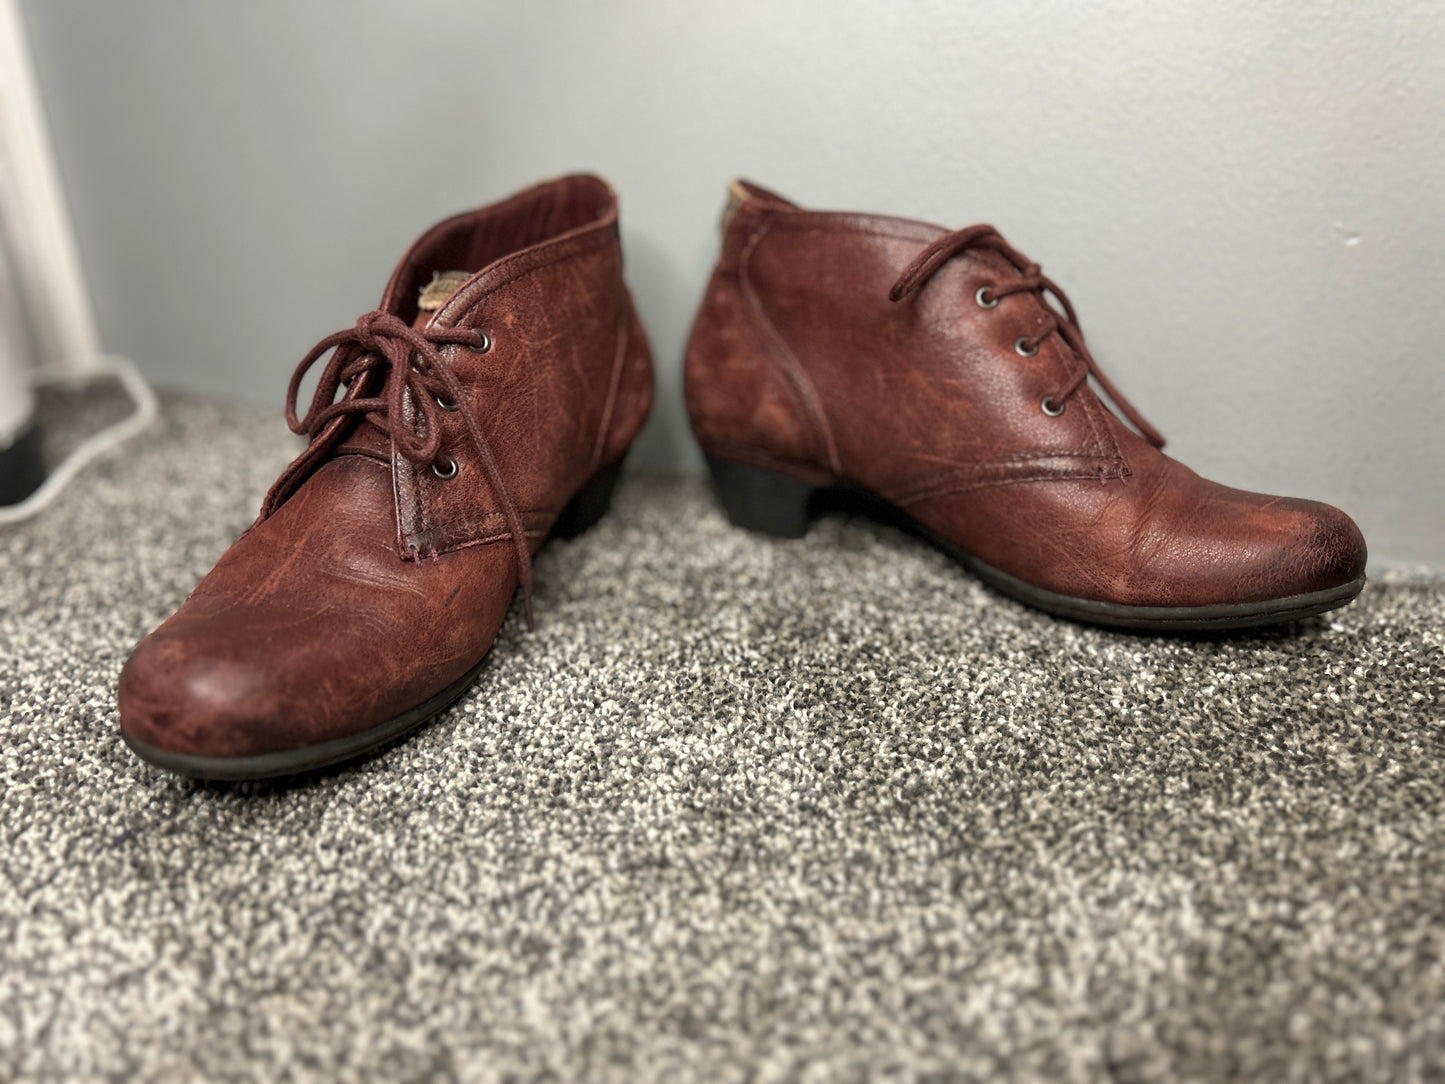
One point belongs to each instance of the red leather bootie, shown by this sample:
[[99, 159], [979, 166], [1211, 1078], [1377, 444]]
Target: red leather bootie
[[925, 371], [485, 405]]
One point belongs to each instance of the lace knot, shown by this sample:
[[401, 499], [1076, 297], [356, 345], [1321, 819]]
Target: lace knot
[[374, 327], [395, 376]]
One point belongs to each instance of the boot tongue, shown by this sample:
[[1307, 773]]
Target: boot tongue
[[437, 293]]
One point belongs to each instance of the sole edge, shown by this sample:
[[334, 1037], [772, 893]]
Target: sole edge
[[803, 502], [308, 758]]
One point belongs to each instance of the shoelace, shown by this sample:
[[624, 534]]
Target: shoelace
[[381, 341], [1031, 280]]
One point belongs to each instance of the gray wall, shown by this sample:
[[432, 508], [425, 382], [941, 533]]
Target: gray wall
[[1245, 200]]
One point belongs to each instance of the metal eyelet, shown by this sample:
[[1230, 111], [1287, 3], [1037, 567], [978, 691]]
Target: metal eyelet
[[449, 471], [1050, 409], [484, 342], [1023, 348], [444, 404], [985, 302]]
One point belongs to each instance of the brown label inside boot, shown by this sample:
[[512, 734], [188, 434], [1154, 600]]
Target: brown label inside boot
[[441, 287]]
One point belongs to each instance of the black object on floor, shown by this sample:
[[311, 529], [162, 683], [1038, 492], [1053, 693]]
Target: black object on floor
[[22, 466]]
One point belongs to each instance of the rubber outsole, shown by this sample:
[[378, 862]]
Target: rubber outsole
[[783, 506], [586, 507], [308, 758]]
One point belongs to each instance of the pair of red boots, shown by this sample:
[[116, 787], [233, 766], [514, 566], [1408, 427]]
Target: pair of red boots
[[489, 401]]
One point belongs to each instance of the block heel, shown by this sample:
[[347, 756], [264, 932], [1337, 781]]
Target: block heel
[[589, 504], [762, 500]]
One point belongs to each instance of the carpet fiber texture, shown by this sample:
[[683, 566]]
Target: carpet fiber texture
[[739, 810]]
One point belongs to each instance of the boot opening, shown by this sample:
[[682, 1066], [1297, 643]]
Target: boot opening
[[460, 247]]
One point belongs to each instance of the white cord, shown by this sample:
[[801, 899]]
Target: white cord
[[145, 413]]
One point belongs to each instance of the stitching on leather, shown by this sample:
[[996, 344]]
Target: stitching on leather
[[486, 517], [939, 484], [1028, 457], [1108, 443], [410, 517], [845, 225], [792, 367], [578, 246], [849, 230], [465, 529], [1093, 424], [384, 464], [614, 384], [362, 453], [994, 483], [531, 532], [1093, 419], [945, 479]]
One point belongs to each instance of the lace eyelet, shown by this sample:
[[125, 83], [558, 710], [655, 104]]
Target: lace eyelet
[[484, 342], [985, 302], [1023, 348], [1050, 409], [445, 472], [445, 404]]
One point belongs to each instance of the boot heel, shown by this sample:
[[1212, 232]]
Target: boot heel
[[590, 503], [762, 500]]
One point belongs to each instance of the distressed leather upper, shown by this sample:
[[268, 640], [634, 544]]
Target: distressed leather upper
[[800, 362], [370, 584]]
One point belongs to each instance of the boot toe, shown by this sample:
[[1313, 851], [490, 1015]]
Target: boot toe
[[1305, 548], [178, 699], [1334, 552]]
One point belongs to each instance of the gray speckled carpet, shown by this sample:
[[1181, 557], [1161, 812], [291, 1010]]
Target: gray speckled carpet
[[740, 810]]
